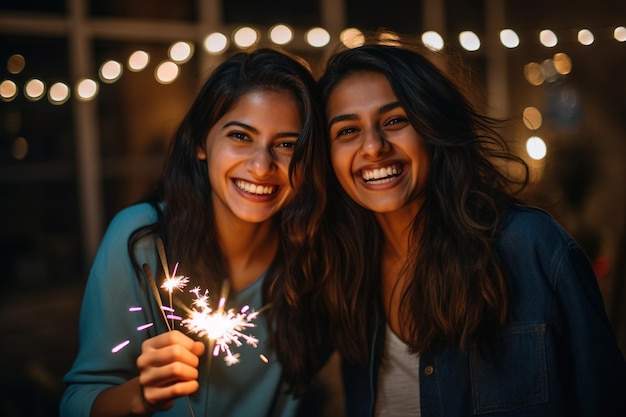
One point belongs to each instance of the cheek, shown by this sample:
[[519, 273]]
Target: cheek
[[337, 159]]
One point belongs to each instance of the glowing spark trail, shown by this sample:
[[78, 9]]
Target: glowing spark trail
[[120, 346]]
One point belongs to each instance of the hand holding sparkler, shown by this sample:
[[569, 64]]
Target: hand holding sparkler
[[168, 367]]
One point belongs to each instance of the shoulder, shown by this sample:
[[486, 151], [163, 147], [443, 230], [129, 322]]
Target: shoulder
[[532, 243], [134, 217], [123, 225], [526, 225]]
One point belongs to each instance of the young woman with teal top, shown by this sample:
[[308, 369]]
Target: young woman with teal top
[[231, 206], [450, 298]]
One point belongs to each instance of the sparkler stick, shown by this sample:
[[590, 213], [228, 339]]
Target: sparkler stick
[[162, 257], [155, 293], [157, 296]]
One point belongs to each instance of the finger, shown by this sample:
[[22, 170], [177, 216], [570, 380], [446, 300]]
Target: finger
[[161, 397], [167, 375], [198, 348], [169, 338], [151, 356]]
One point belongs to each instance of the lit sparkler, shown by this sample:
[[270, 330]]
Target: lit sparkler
[[221, 327]]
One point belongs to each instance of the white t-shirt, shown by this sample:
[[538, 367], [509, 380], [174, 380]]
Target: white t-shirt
[[398, 391]]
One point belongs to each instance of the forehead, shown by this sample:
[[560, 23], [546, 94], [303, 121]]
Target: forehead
[[360, 89], [265, 109]]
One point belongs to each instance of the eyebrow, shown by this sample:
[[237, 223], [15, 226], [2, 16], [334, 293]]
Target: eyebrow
[[256, 131], [352, 116]]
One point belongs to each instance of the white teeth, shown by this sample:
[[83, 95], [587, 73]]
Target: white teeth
[[253, 188], [378, 173]]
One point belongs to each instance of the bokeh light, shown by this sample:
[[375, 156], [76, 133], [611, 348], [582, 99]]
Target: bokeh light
[[8, 90], [433, 40], [585, 37], [138, 61], [180, 52], [509, 38], [536, 148], [562, 63], [215, 43], [245, 37], [533, 72], [34, 89], [532, 118], [281, 34], [16, 64], [549, 70], [110, 71], [469, 41], [548, 38], [166, 72], [19, 148], [87, 89], [317, 37], [352, 37], [58, 93]]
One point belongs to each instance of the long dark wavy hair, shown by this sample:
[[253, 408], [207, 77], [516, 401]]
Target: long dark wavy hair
[[457, 291], [186, 221]]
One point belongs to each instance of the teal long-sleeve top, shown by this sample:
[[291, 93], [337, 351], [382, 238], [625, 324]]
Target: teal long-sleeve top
[[251, 387]]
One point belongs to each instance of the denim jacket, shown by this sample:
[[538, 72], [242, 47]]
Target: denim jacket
[[556, 356]]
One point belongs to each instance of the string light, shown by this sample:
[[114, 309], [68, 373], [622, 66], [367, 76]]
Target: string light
[[585, 37], [8, 90], [433, 40], [509, 38], [215, 43], [166, 72], [34, 89], [110, 71], [317, 37], [180, 52], [548, 38], [87, 89], [245, 37], [469, 40], [280, 34], [138, 60], [352, 37], [59, 93]]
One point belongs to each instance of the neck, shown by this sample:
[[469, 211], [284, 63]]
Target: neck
[[396, 230], [248, 249]]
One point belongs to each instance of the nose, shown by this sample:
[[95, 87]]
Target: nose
[[261, 161], [374, 143]]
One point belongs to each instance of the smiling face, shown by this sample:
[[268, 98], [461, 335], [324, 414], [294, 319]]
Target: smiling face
[[248, 152], [378, 157]]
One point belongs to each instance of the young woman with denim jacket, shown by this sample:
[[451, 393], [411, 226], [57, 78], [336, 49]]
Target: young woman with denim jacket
[[451, 298]]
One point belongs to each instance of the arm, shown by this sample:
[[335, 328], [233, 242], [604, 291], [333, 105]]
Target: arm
[[105, 321], [599, 368]]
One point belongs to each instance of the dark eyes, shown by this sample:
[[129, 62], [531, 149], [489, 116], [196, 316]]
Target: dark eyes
[[239, 136], [242, 137], [286, 145], [393, 123], [346, 131], [396, 121]]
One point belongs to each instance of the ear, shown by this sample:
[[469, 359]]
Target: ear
[[201, 153]]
